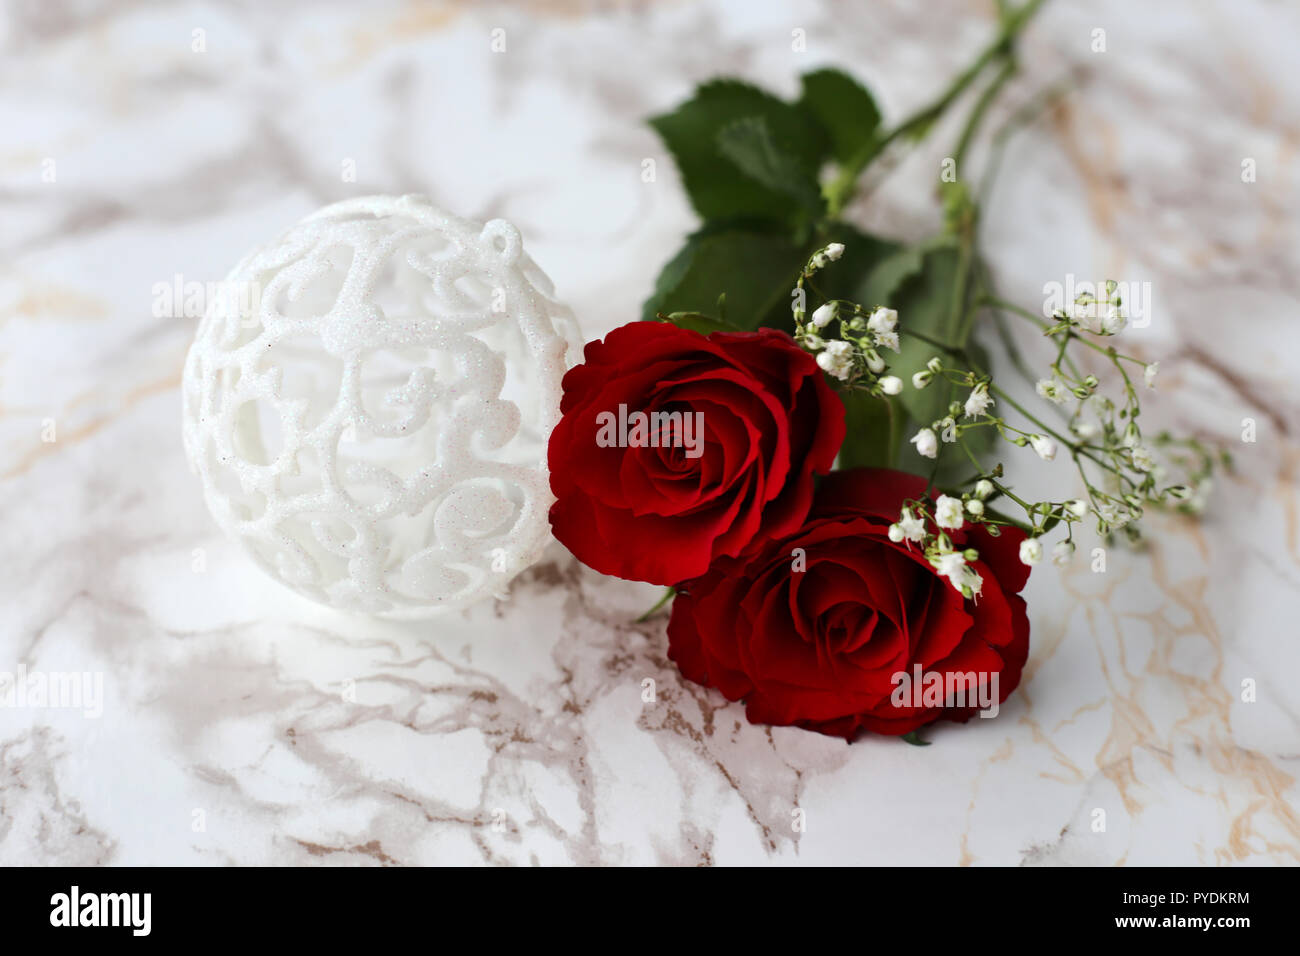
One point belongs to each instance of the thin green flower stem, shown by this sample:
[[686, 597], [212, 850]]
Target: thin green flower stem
[[668, 596], [1060, 354], [1041, 103], [981, 108], [1013, 350], [1021, 409], [987, 300], [840, 189], [1108, 351], [922, 337], [996, 484]]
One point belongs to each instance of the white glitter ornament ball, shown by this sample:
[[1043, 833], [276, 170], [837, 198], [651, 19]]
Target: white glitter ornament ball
[[367, 402]]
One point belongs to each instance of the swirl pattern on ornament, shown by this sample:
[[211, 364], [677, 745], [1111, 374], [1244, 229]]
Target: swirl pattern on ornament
[[367, 403]]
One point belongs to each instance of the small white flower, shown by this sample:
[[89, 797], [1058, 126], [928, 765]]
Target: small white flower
[[1044, 446], [983, 488], [813, 342], [823, 315], [948, 430], [1112, 516], [834, 251], [920, 380], [950, 564], [1131, 436], [978, 401], [888, 340], [1031, 551], [969, 582], [1062, 553], [891, 385], [1085, 430], [912, 526], [1113, 320], [874, 361], [882, 320], [1200, 495], [927, 445], [837, 359], [947, 512], [1149, 374], [1086, 314], [895, 533], [975, 507], [1142, 459], [1052, 389], [1077, 508]]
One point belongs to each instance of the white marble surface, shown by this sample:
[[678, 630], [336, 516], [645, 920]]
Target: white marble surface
[[294, 735]]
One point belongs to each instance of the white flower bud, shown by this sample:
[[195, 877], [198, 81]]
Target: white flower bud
[[875, 362], [891, 384], [935, 365], [927, 444], [823, 315], [983, 489], [837, 359], [1142, 459], [1062, 553], [1149, 374], [920, 380], [947, 512], [978, 402], [895, 533], [1077, 508], [834, 251], [1031, 551], [1053, 389], [975, 507], [882, 321], [1044, 446], [1113, 320], [1085, 430]]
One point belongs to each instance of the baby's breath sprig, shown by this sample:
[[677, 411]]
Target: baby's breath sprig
[[928, 526], [853, 355], [1122, 474]]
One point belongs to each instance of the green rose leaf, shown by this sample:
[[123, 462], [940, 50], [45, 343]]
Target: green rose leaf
[[880, 284], [791, 144], [923, 298], [749, 144], [921, 283], [755, 270], [698, 322], [871, 436], [844, 108]]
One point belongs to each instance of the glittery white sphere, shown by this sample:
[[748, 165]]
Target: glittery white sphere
[[367, 402]]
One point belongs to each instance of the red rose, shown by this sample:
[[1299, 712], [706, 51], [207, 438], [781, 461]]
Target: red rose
[[674, 448], [820, 648]]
